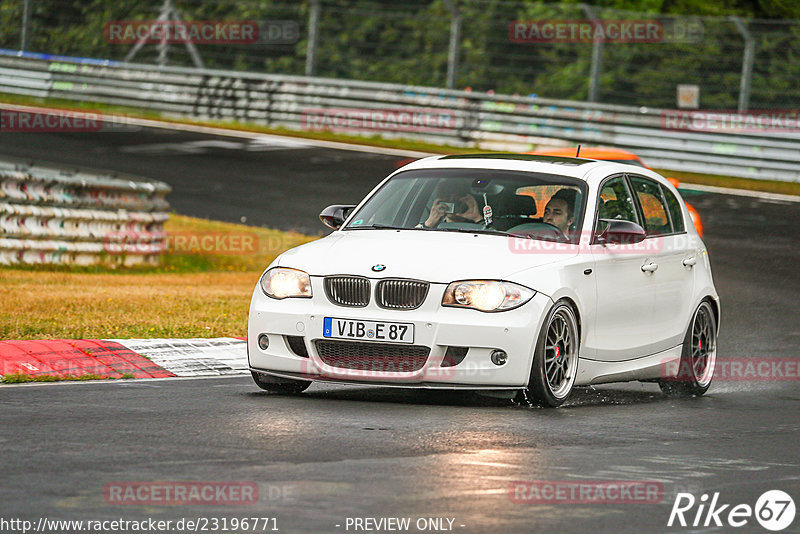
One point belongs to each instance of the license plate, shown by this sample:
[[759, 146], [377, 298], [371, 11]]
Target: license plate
[[368, 330]]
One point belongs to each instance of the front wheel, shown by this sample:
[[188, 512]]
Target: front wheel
[[555, 359], [698, 357], [281, 386]]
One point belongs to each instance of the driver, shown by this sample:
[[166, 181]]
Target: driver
[[560, 210], [452, 206]]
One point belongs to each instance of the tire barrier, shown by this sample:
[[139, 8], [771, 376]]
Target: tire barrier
[[57, 217]]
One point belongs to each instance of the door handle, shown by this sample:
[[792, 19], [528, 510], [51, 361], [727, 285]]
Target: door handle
[[649, 267], [689, 262]]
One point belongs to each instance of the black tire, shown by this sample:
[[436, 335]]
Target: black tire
[[281, 386], [698, 357], [555, 358]]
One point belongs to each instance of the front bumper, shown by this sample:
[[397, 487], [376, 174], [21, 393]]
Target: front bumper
[[514, 331]]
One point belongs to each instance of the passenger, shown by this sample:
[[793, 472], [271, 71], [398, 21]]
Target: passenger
[[452, 205]]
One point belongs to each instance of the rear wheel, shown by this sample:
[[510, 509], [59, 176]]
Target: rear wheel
[[698, 357], [555, 359], [282, 386]]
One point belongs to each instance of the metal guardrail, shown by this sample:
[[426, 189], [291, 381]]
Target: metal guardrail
[[437, 115], [55, 216]]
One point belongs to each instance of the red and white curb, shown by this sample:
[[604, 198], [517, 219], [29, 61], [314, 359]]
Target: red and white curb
[[118, 358], [194, 357]]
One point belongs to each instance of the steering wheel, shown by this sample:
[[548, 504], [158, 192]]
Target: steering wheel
[[560, 236], [555, 232]]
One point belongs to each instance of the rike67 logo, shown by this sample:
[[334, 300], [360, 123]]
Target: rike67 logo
[[774, 510]]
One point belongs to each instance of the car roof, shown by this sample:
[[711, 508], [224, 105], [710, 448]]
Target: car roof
[[588, 170], [591, 152]]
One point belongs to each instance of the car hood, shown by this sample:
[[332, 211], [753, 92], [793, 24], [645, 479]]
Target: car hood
[[432, 256]]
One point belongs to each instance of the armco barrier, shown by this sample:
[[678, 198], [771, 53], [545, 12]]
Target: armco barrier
[[55, 216], [438, 115]]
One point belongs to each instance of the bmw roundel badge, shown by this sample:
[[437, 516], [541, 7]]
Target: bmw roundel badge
[[378, 268]]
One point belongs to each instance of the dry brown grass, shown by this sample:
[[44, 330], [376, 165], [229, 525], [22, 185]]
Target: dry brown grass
[[195, 293], [42, 305]]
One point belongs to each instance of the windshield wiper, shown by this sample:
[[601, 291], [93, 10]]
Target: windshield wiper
[[459, 230], [378, 227], [476, 231]]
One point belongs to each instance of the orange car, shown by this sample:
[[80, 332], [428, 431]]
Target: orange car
[[619, 156]]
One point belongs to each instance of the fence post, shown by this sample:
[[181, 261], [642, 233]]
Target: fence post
[[166, 14], [313, 36], [597, 58], [26, 20], [455, 40], [747, 64]]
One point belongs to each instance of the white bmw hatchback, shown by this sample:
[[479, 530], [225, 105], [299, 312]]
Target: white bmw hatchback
[[519, 274]]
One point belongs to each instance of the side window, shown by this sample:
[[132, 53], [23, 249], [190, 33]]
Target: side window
[[656, 220], [615, 201], [675, 211]]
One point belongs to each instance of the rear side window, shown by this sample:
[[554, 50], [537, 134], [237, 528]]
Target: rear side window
[[654, 209], [674, 211], [615, 202]]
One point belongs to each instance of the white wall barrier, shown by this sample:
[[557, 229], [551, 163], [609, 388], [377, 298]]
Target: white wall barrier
[[54, 216]]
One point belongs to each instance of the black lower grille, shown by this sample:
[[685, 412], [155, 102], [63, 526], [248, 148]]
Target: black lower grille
[[375, 357], [297, 345], [454, 356]]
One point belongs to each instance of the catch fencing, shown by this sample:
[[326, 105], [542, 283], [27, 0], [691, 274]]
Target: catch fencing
[[508, 46]]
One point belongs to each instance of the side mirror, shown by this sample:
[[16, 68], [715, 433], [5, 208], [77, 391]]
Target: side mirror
[[620, 232], [334, 216]]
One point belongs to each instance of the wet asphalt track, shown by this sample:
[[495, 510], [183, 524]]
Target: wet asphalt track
[[340, 451]]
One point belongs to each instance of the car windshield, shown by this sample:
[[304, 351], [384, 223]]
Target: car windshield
[[535, 205]]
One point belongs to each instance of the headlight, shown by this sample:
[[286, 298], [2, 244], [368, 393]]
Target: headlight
[[486, 295], [282, 282]]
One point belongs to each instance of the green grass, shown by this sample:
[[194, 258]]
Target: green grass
[[769, 186], [21, 378]]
